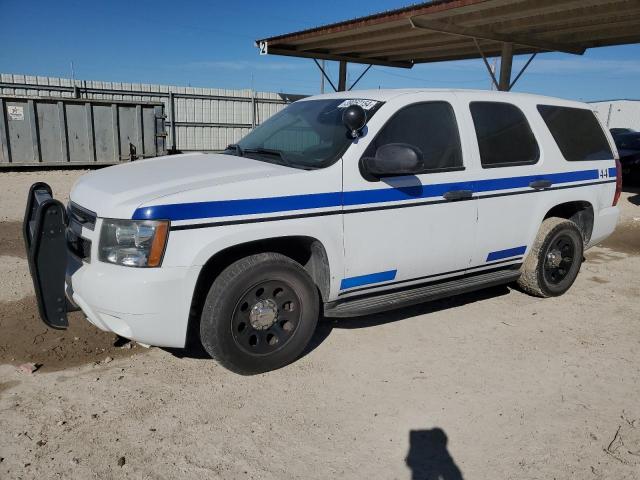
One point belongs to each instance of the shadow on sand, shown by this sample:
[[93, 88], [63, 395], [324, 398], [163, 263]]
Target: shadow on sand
[[428, 457]]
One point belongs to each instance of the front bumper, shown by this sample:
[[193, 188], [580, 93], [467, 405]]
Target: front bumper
[[149, 305]]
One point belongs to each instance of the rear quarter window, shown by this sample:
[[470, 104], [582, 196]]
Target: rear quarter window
[[577, 133]]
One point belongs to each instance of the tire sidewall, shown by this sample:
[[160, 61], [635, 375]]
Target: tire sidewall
[[216, 324], [570, 230]]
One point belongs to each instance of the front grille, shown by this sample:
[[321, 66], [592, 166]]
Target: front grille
[[78, 246], [86, 218], [79, 217]]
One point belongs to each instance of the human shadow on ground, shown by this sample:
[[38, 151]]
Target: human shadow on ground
[[428, 457]]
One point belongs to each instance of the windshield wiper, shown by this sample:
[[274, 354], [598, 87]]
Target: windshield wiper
[[235, 147], [269, 151]]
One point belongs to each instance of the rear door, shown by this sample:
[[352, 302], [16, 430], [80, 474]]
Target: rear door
[[509, 162]]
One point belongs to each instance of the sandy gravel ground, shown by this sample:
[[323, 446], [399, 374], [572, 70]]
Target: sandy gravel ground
[[491, 385]]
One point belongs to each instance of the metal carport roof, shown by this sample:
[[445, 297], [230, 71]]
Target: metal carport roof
[[444, 30]]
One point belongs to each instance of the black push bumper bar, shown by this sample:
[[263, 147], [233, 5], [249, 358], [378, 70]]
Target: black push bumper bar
[[44, 230]]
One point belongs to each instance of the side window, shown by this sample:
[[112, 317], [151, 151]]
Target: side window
[[430, 127], [577, 133], [504, 136]]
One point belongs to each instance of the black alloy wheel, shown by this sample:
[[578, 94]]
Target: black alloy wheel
[[559, 259], [266, 317], [260, 313]]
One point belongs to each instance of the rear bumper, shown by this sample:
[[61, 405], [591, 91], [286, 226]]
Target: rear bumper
[[604, 224]]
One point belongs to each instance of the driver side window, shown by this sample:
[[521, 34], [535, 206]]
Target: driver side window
[[430, 127]]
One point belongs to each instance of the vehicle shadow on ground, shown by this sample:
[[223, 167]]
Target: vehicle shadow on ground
[[428, 457], [326, 325], [635, 199], [195, 350]]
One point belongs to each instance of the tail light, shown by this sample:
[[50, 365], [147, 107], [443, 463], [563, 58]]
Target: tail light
[[616, 196]]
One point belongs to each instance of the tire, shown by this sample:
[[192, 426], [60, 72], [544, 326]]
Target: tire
[[544, 272], [260, 314]]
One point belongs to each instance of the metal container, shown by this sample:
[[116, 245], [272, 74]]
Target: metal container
[[62, 131], [200, 119]]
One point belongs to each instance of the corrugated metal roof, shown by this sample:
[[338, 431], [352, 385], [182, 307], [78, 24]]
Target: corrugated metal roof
[[449, 29]]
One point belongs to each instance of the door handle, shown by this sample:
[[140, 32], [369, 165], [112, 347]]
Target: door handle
[[540, 184], [458, 195]]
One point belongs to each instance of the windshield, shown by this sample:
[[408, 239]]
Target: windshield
[[307, 134]]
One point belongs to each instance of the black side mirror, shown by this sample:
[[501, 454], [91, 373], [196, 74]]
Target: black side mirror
[[354, 118], [394, 159]]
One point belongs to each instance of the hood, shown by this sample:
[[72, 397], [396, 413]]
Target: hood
[[117, 191]]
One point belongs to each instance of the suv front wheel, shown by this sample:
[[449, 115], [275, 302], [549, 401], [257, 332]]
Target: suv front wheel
[[260, 314], [554, 260]]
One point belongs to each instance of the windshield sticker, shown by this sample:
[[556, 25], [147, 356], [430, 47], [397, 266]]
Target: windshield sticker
[[366, 104]]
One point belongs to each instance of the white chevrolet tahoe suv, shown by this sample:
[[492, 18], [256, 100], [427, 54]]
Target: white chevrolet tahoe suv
[[339, 205]]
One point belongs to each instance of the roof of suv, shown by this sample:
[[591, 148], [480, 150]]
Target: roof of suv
[[385, 95]]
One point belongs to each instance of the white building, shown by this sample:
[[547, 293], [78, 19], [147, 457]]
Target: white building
[[619, 113]]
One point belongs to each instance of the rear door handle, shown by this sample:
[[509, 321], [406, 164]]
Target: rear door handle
[[540, 184], [458, 194]]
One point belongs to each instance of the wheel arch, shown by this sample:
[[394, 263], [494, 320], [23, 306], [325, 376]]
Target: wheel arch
[[580, 212], [307, 251]]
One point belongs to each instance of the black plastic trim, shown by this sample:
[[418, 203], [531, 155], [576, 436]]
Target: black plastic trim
[[388, 300]]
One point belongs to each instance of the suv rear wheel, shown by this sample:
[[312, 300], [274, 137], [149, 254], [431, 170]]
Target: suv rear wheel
[[260, 314], [554, 260]]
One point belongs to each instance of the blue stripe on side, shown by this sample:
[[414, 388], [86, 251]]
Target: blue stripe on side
[[228, 208], [251, 206], [367, 279], [520, 182], [612, 172], [509, 252]]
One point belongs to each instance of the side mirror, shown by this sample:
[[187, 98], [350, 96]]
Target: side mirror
[[394, 159], [354, 118]]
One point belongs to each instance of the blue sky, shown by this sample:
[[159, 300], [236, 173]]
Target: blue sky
[[210, 43]]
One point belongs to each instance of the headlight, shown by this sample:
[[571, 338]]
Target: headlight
[[134, 243]]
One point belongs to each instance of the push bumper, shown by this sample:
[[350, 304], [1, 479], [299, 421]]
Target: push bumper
[[44, 231]]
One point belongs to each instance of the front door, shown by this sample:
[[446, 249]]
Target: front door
[[400, 231]]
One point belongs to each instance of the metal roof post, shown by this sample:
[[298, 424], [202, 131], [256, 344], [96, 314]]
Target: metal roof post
[[505, 67], [342, 76]]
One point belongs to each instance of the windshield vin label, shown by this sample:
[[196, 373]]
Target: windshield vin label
[[366, 104]]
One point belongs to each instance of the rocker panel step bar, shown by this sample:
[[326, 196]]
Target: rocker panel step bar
[[381, 302], [44, 229]]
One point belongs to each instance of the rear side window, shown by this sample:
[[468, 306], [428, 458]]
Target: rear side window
[[577, 133], [430, 127], [504, 136]]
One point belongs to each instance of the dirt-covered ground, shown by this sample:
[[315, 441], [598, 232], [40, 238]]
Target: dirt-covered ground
[[495, 384]]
